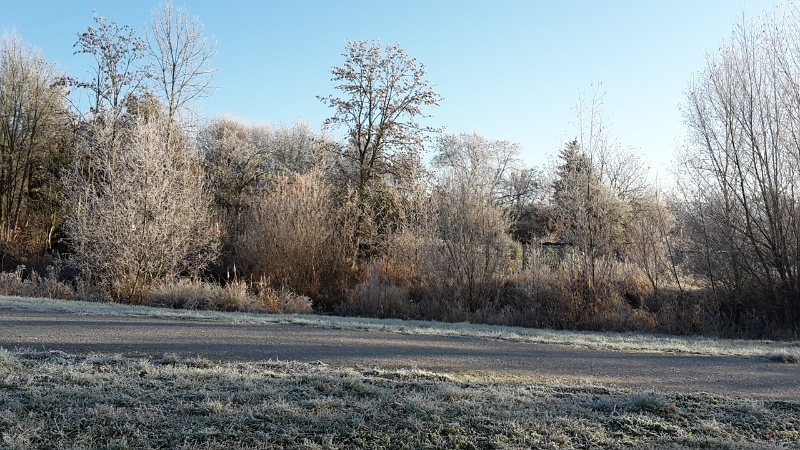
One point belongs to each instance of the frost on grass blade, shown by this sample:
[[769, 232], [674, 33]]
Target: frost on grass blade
[[63, 400]]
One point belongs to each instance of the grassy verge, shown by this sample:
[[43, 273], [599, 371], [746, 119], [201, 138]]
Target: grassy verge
[[783, 351], [57, 400]]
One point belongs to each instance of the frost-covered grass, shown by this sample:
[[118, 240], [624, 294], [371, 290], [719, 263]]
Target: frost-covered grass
[[57, 400], [784, 351]]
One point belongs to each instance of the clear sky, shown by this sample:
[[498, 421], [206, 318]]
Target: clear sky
[[509, 70]]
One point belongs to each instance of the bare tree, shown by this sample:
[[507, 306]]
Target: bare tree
[[654, 244], [617, 166], [472, 229], [589, 214], [118, 72], [233, 156], [298, 149], [477, 162], [140, 210], [32, 113], [245, 163], [243, 160], [597, 188], [742, 169], [384, 91], [181, 58]]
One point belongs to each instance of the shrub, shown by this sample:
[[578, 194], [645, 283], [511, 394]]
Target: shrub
[[284, 300], [551, 293], [34, 285], [290, 237], [140, 209], [380, 297], [191, 294]]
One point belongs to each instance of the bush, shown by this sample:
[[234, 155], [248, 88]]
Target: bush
[[284, 300], [190, 294], [34, 285], [380, 297], [553, 293], [290, 237], [140, 209]]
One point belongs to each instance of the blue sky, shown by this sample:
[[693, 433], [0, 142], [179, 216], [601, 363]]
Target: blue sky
[[507, 69]]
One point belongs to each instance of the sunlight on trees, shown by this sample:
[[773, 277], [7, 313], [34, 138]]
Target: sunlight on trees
[[249, 168], [289, 238], [118, 71], [384, 91], [181, 60], [474, 246], [140, 210], [33, 125], [126, 188], [741, 171], [143, 213]]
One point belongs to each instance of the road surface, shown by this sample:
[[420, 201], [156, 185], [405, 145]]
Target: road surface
[[152, 337]]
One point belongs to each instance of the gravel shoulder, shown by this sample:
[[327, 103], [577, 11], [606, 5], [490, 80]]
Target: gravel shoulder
[[464, 357]]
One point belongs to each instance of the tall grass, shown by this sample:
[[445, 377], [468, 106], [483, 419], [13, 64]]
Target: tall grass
[[288, 236], [32, 284]]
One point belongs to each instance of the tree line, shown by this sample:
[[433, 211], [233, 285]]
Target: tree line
[[112, 187]]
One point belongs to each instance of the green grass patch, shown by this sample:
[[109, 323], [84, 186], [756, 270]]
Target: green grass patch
[[58, 400]]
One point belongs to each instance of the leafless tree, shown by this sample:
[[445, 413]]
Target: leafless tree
[[598, 186], [654, 242], [525, 196], [246, 163], [181, 59], [475, 161], [118, 72], [742, 168], [472, 229], [298, 149], [384, 91], [589, 214], [32, 115], [617, 166], [233, 156], [242, 160]]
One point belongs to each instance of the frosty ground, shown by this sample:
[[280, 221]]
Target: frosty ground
[[132, 395]]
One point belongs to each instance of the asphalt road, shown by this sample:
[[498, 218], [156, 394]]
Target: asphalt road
[[148, 337]]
